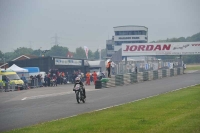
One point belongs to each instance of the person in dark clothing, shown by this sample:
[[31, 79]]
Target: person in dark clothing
[[45, 80], [136, 69], [108, 66], [78, 81], [49, 78]]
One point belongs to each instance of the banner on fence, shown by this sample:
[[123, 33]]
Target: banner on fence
[[175, 48]]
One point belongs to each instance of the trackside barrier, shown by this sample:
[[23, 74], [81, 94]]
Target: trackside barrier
[[168, 72], [140, 77], [12, 86], [159, 74], [131, 78], [150, 75], [171, 72], [33, 83], [155, 75], [145, 76], [1, 87], [175, 71]]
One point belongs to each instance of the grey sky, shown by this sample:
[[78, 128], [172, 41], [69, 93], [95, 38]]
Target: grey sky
[[33, 23]]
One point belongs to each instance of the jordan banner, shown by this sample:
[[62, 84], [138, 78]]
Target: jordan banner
[[174, 48]]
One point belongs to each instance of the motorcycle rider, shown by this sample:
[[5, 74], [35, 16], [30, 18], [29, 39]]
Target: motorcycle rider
[[78, 81]]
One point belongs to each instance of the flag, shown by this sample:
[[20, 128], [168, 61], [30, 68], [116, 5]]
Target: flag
[[99, 49], [86, 51]]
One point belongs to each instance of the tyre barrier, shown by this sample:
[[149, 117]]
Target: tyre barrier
[[130, 78], [145, 76], [150, 73], [171, 72], [155, 75], [98, 84]]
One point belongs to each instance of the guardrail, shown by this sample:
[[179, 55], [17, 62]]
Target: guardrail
[[131, 78]]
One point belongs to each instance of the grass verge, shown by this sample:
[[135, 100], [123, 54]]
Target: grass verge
[[173, 112], [193, 67]]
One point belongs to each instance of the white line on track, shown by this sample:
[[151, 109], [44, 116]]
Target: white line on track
[[48, 95]]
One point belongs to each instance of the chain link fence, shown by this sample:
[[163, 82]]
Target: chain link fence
[[142, 66]]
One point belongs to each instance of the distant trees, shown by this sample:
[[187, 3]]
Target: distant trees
[[186, 58], [56, 50]]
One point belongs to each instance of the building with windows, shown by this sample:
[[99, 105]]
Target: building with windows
[[126, 34]]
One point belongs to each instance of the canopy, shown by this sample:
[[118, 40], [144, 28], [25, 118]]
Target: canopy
[[32, 69], [15, 68]]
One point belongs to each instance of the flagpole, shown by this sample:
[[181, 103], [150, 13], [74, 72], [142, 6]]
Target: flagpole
[[99, 53]]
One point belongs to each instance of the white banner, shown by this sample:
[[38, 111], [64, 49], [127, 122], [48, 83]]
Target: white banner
[[175, 48], [86, 51], [68, 62]]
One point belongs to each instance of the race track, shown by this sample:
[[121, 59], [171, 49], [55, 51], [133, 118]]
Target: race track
[[24, 108]]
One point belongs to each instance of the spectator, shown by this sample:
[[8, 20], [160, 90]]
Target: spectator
[[45, 80], [113, 67], [94, 77], [87, 78], [108, 68]]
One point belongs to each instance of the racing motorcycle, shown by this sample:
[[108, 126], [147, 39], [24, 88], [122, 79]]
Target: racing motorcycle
[[53, 82], [79, 93], [65, 80]]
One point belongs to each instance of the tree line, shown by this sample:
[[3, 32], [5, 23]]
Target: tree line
[[55, 50]]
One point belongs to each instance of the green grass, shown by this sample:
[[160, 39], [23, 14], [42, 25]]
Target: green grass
[[173, 112], [193, 67]]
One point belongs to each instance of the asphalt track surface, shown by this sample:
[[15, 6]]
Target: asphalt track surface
[[24, 108]]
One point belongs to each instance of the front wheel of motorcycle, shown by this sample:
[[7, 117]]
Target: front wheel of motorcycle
[[82, 97], [77, 97]]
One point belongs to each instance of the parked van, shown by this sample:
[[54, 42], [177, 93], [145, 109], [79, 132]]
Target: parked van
[[13, 77]]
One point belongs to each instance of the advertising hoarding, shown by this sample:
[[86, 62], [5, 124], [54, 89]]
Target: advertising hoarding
[[68, 62], [174, 48]]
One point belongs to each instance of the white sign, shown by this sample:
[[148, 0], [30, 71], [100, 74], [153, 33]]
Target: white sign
[[68, 62], [130, 38], [175, 48]]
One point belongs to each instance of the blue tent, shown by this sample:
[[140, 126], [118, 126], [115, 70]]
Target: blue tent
[[32, 69]]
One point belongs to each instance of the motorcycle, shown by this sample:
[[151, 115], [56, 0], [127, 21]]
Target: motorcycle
[[79, 93], [65, 80], [53, 82]]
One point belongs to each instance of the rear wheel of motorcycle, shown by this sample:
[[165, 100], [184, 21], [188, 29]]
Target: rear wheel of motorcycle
[[77, 97]]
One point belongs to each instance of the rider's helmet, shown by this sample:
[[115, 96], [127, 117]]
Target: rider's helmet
[[77, 79]]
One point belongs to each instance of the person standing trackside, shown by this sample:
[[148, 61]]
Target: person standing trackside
[[94, 77], [108, 68], [113, 67], [87, 78]]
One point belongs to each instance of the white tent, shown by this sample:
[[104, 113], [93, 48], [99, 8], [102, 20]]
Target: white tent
[[17, 69]]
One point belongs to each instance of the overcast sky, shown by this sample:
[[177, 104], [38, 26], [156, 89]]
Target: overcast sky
[[33, 23]]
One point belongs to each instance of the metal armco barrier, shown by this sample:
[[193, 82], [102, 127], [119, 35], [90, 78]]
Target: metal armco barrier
[[12, 87], [130, 78], [33, 83], [1, 87]]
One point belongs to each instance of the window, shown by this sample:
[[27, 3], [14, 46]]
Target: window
[[141, 32]]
